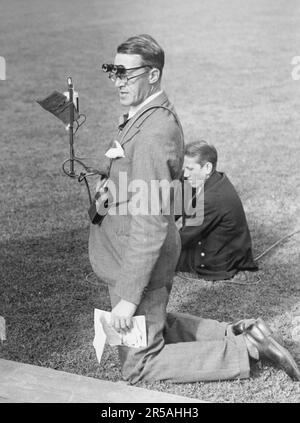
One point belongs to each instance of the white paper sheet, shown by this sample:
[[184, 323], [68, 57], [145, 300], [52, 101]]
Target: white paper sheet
[[105, 333]]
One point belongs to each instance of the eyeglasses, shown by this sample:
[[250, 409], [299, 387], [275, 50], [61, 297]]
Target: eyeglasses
[[119, 71]]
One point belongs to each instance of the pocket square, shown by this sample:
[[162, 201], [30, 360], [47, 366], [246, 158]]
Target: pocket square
[[115, 152]]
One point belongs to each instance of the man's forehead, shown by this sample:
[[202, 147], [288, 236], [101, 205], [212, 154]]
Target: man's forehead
[[190, 161], [128, 60]]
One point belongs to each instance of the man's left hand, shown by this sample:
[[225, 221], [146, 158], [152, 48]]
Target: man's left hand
[[121, 316]]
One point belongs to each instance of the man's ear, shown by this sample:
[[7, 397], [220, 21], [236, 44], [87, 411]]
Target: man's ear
[[209, 168], [154, 75]]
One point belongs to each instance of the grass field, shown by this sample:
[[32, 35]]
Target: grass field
[[228, 72]]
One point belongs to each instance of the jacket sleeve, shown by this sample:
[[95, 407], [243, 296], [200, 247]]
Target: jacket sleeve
[[154, 158], [191, 234]]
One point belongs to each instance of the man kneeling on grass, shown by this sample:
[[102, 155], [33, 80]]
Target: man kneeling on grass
[[136, 253], [216, 242]]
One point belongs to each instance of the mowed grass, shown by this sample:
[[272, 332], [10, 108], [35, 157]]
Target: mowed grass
[[228, 71]]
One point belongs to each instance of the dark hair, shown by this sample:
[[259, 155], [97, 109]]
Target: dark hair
[[151, 52], [203, 151]]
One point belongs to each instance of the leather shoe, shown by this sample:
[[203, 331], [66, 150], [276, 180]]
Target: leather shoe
[[242, 325], [262, 325], [239, 327], [271, 350]]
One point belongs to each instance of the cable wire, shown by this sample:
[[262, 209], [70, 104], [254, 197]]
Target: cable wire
[[231, 281], [78, 123], [275, 244]]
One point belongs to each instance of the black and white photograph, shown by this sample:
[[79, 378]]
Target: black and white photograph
[[150, 204]]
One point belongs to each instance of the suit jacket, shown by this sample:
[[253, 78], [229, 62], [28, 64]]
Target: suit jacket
[[221, 245], [138, 252]]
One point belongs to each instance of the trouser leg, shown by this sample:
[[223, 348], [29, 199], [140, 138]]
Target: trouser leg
[[196, 359], [184, 327]]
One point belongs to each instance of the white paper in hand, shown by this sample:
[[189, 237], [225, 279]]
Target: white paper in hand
[[105, 333]]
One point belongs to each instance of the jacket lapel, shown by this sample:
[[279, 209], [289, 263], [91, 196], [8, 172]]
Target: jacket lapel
[[133, 127]]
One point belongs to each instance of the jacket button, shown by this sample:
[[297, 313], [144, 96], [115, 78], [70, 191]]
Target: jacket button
[[202, 265], [202, 254], [199, 243]]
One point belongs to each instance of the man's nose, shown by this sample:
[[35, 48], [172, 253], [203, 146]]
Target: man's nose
[[119, 83]]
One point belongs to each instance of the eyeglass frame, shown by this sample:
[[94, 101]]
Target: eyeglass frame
[[113, 75]]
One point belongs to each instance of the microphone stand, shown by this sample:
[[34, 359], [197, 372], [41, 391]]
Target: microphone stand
[[88, 171], [71, 126]]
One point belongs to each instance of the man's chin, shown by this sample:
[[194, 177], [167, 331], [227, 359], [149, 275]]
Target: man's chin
[[193, 185], [124, 100]]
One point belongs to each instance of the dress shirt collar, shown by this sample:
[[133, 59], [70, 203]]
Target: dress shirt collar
[[134, 110]]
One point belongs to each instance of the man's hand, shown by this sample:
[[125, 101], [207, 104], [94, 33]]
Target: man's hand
[[121, 316]]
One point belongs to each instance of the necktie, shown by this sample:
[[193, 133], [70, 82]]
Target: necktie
[[123, 120], [194, 197]]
